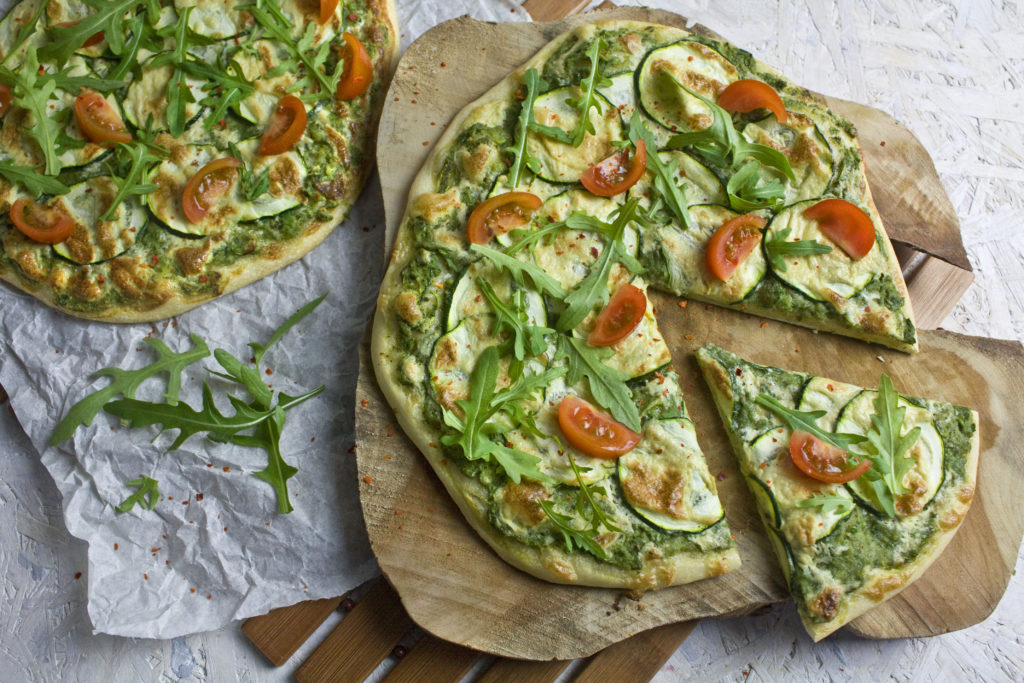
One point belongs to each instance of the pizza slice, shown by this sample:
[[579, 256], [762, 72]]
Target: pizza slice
[[859, 489]]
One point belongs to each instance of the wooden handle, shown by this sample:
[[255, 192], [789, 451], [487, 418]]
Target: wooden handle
[[279, 633]]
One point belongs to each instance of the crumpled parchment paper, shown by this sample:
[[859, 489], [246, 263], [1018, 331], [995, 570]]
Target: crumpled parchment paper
[[215, 549]]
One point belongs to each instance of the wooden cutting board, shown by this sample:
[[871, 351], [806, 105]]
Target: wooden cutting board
[[455, 587]]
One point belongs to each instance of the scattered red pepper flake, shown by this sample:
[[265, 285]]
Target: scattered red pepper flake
[[368, 480], [426, 143], [78, 575], [192, 590], [682, 303], [115, 546], [398, 512], [226, 469], [199, 497], [688, 337]]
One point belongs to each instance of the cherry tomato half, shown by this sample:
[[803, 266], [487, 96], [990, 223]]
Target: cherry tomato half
[[845, 224], [499, 214], [208, 185], [285, 128], [327, 10], [358, 69], [6, 97], [593, 431], [617, 173], [747, 95], [623, 313], [98, 121], [94, 39], [41, 223], [823, 461], [732, 243]]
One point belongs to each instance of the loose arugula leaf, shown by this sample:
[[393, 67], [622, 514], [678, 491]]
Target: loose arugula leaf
[[607, 384], [521, 270], [830, 504], [888, 449], [572, 536], [525, 338], [593, 290], [28, 178], [671, 194], [260, 350], [589, 98], [807, 422], [520, 154], [146, 488], [778, 249], [126, 382], [141, 160], [106, 16]]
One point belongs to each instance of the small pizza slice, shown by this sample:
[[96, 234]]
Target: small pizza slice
[[860, 489]]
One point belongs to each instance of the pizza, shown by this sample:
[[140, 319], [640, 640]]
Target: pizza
[[859, 489], [154, 156]]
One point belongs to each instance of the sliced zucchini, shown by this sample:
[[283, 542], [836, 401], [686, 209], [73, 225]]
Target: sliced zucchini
[[663, 71], [147, 96], [765, 501], [286, 172], [455, 355], [561, 162], [821, 393], [467, 299], [568, 256], [686, 263], [924, 478], [666, 481], [93, 241], [699, 183], [528, 183], [831, 277], [806, 148], [216, 19], [263, 58], [11, 25], [622, 94], [82, 151]]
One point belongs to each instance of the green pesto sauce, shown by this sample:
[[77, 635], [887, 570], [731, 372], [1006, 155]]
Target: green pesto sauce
[[570, 64]]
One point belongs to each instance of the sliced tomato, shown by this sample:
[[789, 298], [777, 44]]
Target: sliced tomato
[[747, 95], [845, 224], [617, 173], [327, 10], [623, 313], [732, 243], [285, 128], [41, 223], [499, 214], [98, 121], [357, 71], [208, 185], [94, 39], [823, 461], [594, 431], [6, 97]]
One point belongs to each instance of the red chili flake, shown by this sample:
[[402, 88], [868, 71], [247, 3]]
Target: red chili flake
[[78, 575], [199, 497], [209, 464], [269, 371], [690, 58], [365, 403], [209, 597], [594, 252], [398, 512], [154, 261], [443, 64], [882, 143], [170, 497], [764, 323], [167, 561], [115, 546], [99, 279], [368, 480], [867, 309], [739, 372], [414, 101], [352, 16], [154, 550], [184, 502], [227, 469], [192, 590], [426, 143], [225, 528], [688, 337], [146, 577]]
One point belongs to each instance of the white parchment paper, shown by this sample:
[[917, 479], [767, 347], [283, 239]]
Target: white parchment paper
[[215, 549]]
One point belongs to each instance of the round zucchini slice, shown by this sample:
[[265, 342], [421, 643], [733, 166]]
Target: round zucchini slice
[[528, 183], [147, 97], [665, 70], [215, 19], [92, 240], [468, 299], [833, 276], [622, 94], [561, 162], [821, 393], [698, 181], [286, 173], [809, 153], [924, 477], [256, 64], [765, 501], [665, 479]]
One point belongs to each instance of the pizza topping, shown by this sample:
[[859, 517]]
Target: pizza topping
[[207, 186], [40, 223], [6, 97], [822, 461], [94, 39], [746, 95], [732, 243], [285, 128], [846, 224], [358, 69], [617, 173], [98, 120], [621, 316], [327, 10], [499, 214], [778, 248], [593, 431]]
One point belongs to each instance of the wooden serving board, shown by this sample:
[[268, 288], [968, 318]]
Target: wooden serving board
[[455, 587]]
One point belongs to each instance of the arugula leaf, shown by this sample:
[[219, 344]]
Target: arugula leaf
[[887, 449], [141, 161], [572, 536], [146, 488], [33, 92], [521, 270], [593, 290], [26, 30], [778, 249], [252, 186], [747, 192], [664, 185], [607, 384], [525, 338], [106, 16], [227, 87], [520, 154], [807, 422], [830, 504], [179, 95], [585, 503], [260, 350], [126, 382], [590, 98], [527, 238], [35, 183]]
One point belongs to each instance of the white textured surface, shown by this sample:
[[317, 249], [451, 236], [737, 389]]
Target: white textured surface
[[952, 72]]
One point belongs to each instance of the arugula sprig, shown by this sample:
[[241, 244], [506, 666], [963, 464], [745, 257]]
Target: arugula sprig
[[807, 421], [573, 537], [179, 95], [887, 448], [521, 271], [252, 185], [528, 238], [31, 180], [106, 16], [521, 156], [829, 503], [33, 91], [778, 248], [525, 339], [607, 385], [226, 86], [671, 194], [589, 98], [26, 30], [140, 158], [146, 496]]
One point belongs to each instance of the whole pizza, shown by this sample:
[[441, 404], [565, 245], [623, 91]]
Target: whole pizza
[[514, 337], [155, 155]]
